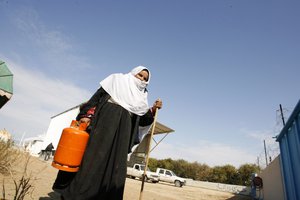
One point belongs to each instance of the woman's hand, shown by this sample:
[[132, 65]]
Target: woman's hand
[[85, 120], [157, 104]]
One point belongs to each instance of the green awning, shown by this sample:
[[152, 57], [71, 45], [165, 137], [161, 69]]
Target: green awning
[[6, 83]]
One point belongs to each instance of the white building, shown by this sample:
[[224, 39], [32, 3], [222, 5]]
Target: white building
[[57, 124], [34, 145]]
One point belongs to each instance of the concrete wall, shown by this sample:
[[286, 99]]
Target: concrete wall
[[272, 181], [236, 189]]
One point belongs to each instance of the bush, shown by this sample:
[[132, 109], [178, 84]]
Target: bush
[[8, 156]]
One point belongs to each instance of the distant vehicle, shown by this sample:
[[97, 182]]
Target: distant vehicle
[[137, 171], [169, 176]]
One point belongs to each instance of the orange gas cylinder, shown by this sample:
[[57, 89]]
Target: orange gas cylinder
[[71, 147]]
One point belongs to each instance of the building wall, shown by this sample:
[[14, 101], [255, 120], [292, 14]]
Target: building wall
[[34, 147], [272, 181], [56, 126]]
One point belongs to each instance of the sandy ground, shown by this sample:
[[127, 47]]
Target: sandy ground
[[42, 176]]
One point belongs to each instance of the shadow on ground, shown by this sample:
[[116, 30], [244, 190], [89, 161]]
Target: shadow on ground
[[240, 197], [51, 196]]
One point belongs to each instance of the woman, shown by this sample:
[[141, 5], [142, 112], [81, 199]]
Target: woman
[[120, 107]]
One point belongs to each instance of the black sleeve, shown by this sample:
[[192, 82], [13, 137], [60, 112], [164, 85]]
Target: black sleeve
[[85, 107], [146, 119]]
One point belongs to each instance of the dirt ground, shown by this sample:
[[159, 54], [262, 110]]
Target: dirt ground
[[42, 176]]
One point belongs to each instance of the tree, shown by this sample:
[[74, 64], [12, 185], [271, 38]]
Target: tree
[[181, 168], [245, 172], [227, 174], [217, 175], [231, 174]]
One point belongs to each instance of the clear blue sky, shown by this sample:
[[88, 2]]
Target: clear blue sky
[[221, 67]]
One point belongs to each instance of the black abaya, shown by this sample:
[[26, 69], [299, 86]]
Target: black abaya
[[102, 173]]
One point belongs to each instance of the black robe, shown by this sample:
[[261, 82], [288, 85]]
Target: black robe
[[102, 174]]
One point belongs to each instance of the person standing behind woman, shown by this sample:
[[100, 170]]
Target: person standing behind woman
[[117, 110]]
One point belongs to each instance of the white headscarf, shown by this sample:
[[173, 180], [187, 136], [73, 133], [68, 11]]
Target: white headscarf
[[128, 91]]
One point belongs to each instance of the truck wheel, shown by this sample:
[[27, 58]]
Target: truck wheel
[[177, 183]]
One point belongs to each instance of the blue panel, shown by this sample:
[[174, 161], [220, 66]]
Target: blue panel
[[289, 142]]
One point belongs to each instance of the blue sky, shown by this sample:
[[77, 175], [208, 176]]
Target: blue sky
[[221, 67]]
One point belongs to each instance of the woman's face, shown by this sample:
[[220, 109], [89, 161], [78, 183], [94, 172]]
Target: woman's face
[[142, 75]]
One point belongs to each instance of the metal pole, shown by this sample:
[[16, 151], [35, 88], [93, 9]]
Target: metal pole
[[266, 153], [22, 138], [157, 143], [282, 117], [147, 155]]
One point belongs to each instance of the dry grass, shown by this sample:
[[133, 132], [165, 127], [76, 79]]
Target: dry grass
[[9, 156]]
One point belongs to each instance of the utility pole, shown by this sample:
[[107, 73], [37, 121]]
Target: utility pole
[[282, 117], [266, 153]]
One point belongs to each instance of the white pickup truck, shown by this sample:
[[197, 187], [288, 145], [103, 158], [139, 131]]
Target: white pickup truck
[[168, 176], [137, 171]]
